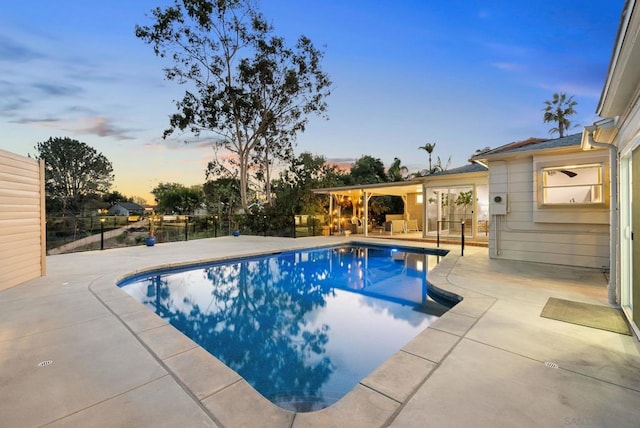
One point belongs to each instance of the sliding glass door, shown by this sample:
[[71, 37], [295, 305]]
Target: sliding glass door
[[448, 207]]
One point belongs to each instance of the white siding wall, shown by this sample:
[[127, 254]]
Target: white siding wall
[[22, 219], [516, 235]]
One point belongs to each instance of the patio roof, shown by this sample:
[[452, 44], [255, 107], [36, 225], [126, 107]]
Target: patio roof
[[398, 188]]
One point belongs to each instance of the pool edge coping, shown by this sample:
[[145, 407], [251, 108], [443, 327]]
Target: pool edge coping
[[377, 396]]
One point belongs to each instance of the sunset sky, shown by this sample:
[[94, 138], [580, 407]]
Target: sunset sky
[[462, 74]]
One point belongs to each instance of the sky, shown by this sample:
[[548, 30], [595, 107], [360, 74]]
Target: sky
[[463, 74]]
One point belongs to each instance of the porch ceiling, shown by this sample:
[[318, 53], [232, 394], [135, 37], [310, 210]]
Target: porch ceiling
[[394, 189]]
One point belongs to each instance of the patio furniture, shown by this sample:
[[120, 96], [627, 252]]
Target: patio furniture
[[396, 226], [412, 226]]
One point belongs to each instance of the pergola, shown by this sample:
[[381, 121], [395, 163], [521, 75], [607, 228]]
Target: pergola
[[364, 192]]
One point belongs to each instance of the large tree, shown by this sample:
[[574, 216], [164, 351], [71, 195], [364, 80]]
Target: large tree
[[368, 170], [115, 197], [222, 194], [558, 110], [73, 172], [246, 87], [176, 198], [293, 189]]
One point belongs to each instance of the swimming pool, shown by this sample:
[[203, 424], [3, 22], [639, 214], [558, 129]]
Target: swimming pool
[[302, 327]]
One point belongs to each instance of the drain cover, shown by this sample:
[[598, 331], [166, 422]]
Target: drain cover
[[551, 365], [45, 363]]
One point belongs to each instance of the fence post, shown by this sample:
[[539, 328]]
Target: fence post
[[438, 233], [102, 234], [264, 226], [215, 226], [294, 226], [462, 250], [186, 228]]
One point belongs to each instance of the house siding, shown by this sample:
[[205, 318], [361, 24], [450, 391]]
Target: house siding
[[518, 236], [22, 219]]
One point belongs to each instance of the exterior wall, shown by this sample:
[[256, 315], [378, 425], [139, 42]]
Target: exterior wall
[[575, 237], [628, 141], [22, 219], [414, 209]]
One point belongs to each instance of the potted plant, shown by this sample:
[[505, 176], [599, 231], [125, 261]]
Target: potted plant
[[464, 199], [150, 241]]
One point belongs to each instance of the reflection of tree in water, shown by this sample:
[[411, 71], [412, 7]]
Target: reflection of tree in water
[[259, 303]]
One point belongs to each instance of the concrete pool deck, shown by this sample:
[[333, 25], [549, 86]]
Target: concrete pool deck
[[490, 361]]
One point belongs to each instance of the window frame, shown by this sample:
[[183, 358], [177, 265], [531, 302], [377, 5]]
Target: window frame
[[600, 185]]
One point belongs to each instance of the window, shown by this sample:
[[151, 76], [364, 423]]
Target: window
[[573, 184]]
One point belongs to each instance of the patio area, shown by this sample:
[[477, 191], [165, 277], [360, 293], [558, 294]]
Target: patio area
[[77, 351]]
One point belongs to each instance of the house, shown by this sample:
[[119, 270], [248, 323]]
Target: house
[[548, 202], [127, 209], [434, 204], [618, 133]]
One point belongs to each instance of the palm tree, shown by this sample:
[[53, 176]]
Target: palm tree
[[397, 171], [438, 166], [429, 148], [558, 110]]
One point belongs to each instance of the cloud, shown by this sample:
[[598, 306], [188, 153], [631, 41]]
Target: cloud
[[57, 90], [41, 123], [12, 51], [177, 143], [509, 66], [507, 50], [341, 160], [11, 99], [10, 106], [343, 164], [101, 127], [82, 110], [573, 88]]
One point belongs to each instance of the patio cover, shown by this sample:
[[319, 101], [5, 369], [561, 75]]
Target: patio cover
[[366, 191]]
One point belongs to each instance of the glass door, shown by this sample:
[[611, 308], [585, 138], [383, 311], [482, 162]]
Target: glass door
[[447, 207]]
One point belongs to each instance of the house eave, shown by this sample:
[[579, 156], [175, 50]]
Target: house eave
[[528, 153], [623, 77]]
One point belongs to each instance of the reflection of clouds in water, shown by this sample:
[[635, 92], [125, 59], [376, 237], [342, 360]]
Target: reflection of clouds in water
[[364, 332], [298, 311], [402, 313]]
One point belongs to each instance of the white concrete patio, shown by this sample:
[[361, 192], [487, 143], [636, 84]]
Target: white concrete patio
[[114, 363]]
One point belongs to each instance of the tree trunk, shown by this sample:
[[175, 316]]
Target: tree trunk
[[267, 175]]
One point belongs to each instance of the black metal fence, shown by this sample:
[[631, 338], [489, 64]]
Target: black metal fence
[[76, 233]]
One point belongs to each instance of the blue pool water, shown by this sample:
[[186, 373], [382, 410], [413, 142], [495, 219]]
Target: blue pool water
[[304, 327]]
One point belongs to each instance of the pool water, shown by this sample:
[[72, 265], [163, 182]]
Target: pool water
[[304, 327]]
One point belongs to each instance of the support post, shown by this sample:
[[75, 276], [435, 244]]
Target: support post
[[102, 233]]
